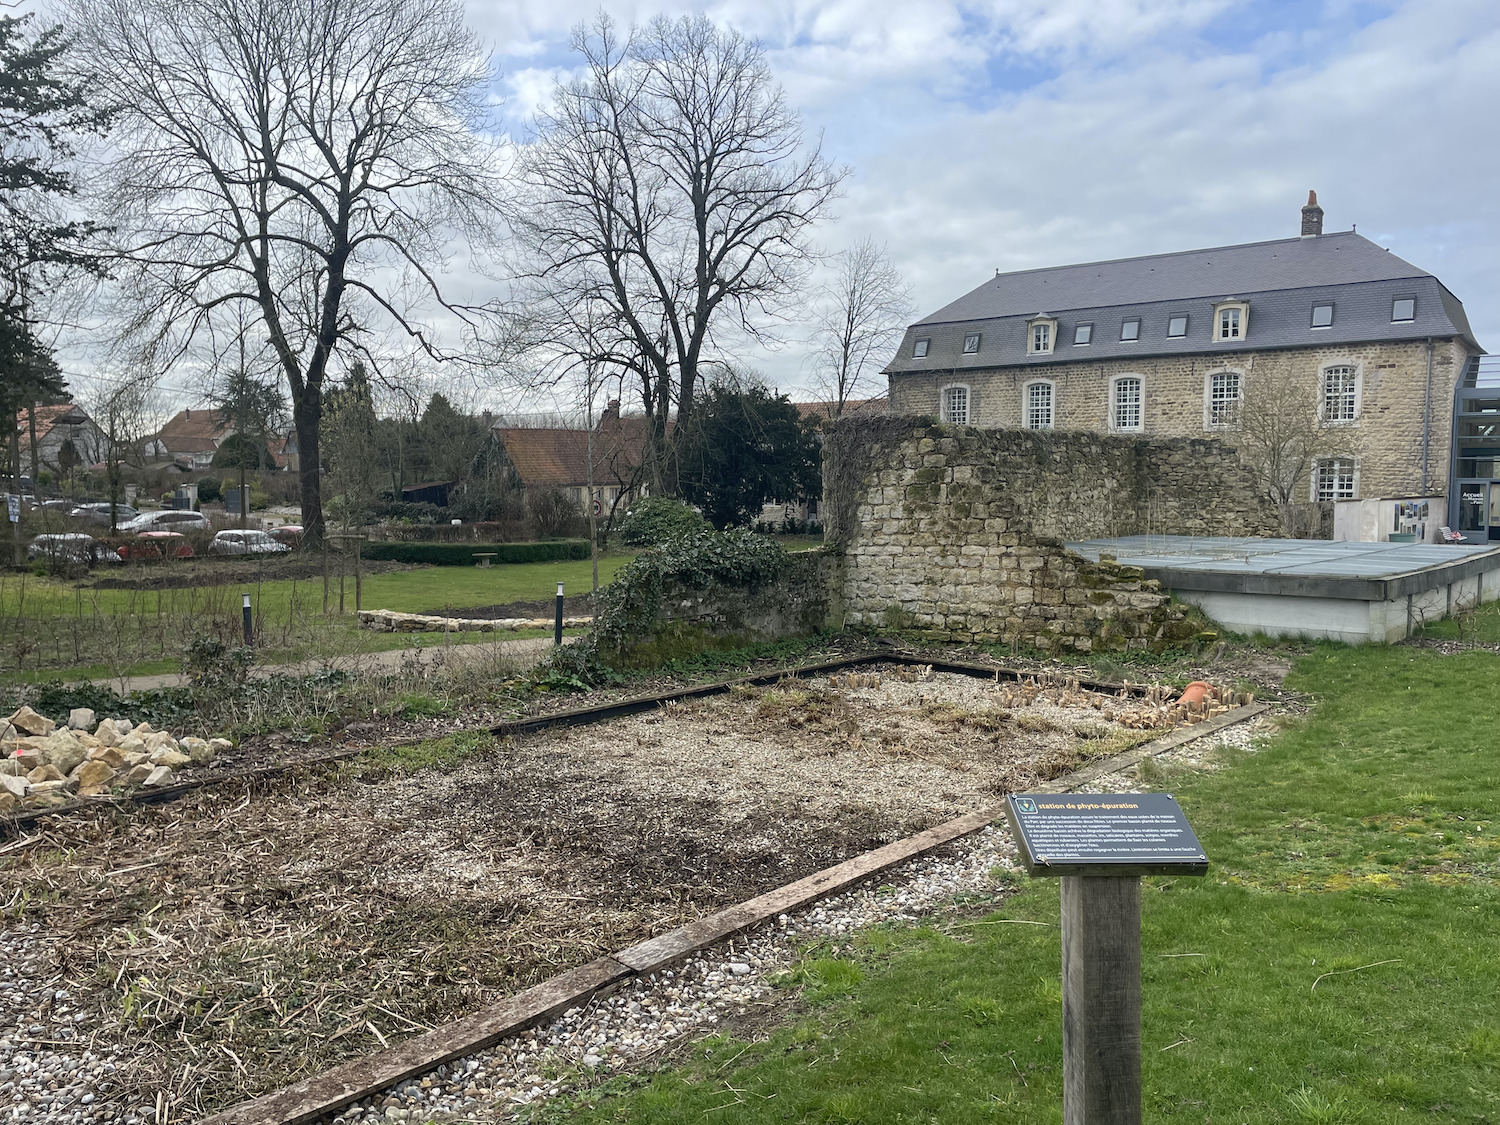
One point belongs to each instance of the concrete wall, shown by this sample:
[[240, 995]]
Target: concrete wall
[[1388, 431], [958, 531]]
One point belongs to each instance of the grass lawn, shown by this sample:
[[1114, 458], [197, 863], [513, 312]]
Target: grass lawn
[[1339, 963]]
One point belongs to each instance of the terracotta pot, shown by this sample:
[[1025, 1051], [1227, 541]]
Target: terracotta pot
[[1195, 692]]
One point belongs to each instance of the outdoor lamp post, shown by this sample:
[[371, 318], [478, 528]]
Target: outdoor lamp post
[[557, 621], [246, 603]]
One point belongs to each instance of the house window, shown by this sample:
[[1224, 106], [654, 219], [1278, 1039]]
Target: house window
[[1040, 332], [1403, 309], [1039, 406], [1130, 329], [1229, 324], [1125, 403], [955, 405], [1322, 316], [1082, 334], [971, 344], [1333, 479], [1177, 327], [919, 349], [1223, 405], [1340, 394]]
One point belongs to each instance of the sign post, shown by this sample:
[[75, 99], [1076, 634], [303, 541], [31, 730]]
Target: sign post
[[1100, 844]]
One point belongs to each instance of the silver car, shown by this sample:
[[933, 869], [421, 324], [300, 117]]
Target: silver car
[[99, 514], [246, 543], [170, 519], [70, 547]]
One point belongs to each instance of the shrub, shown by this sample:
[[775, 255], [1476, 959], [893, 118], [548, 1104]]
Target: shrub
[[552, 512], [462, 554], [209, 490], [655, 520]]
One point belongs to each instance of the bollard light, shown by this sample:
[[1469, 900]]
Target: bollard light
[[249, 640], [557, 621]]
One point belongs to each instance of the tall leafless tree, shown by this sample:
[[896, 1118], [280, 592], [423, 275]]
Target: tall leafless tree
[[670, 183], [863, 312], [310, 160], [122, 405]]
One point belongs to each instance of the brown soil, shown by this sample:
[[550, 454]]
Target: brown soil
[[257, 932], [213, 571], [574, 605]]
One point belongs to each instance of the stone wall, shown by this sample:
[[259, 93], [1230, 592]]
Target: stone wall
[[1392, 380], [958, 531], [718, 617]]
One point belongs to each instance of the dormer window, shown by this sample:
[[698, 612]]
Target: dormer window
[[971, 344], [919, 348], [1040, 332], [1231, 321], [1403, 309]]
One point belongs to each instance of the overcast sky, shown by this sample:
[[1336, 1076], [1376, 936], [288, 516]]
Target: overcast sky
[[1023, 133]]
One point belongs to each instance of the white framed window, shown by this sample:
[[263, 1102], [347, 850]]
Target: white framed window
[[1177, 327], [1334, 478], [1322, 316], [1130, 329], [1126, 396], [954, 404], [1083, 334], [919, 347], [971, 344], [1403, 309], [1231, 321], [1041, 331], [1338, 399], [1222, 393], [1039, 403]]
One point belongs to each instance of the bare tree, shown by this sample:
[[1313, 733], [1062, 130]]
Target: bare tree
[[1282, 436], [671, 184], [307, 160], [122, 406], [864, 311]]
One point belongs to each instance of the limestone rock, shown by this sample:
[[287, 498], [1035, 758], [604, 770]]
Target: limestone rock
[[52, 788], [63, 750], [29, 755], [196, 749], [7, 732], [8, 801], [30, 722], [44, 774], [220, 745], [80, 718], [161, 775], [11, 767], [144, 729], [131, 757], [137, 774], [108, 733], [93, 775], [166, 756], [133, 743], [109, 755], [15, 786], [158, 740]]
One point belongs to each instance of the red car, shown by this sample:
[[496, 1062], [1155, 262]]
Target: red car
[[288, 533], [157, 545]]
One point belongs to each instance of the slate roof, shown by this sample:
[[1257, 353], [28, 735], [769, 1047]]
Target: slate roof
[[1282, 279]]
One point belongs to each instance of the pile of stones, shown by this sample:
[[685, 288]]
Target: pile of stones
[[43, 762]]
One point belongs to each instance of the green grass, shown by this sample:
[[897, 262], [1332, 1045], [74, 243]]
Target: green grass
[[1481, 625], [1361, 844]]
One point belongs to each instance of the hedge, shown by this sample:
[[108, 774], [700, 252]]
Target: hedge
[[462, 554]]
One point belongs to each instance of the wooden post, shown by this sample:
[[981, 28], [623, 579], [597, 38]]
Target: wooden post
[[324, 542], [359, 545], [1101, 971]]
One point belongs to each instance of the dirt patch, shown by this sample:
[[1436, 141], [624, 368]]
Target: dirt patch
[[194, 573], [256, 933], [574, 605]]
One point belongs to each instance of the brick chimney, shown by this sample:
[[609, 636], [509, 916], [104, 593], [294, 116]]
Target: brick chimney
[[1312, 216]]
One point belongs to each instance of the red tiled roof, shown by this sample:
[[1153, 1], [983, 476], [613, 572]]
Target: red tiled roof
[[824, 410], [558, 458], [193, 431], [67, 413]]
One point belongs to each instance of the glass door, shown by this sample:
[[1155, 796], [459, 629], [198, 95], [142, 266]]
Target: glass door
[[1494, 521], [1473, 515]]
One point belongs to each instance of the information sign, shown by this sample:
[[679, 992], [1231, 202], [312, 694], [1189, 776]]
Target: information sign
[[13, 507], [1104, 834]]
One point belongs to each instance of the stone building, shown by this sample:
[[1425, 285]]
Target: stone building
[[1178, 344]]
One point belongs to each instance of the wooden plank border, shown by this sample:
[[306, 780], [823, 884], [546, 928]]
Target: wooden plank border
[[327, 1093]]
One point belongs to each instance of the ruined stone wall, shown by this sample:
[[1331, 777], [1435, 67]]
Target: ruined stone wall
[[1389, 429], [719, 617], [958, 531]]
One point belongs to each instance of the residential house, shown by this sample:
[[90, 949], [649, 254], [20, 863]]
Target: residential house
[[190, 439], [780, 513], [1172, 345], [56, 426], [553, 457]]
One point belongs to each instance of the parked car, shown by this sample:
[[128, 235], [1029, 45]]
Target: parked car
[[170, 519], [99, 514], [157, 545], [70, 547], [55, 505], [288, 533], [246, 543]]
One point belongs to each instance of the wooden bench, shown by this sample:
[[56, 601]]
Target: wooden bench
[[483, 558]]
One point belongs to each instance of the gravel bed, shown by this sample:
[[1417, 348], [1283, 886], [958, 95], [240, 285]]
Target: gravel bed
[[1198, 755], [50, 1067], [649, 1014]]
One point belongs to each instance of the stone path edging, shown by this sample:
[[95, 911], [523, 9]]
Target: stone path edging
[[324, 1094]]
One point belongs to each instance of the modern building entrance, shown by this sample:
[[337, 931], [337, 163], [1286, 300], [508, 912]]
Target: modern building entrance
[[1475, 506]]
